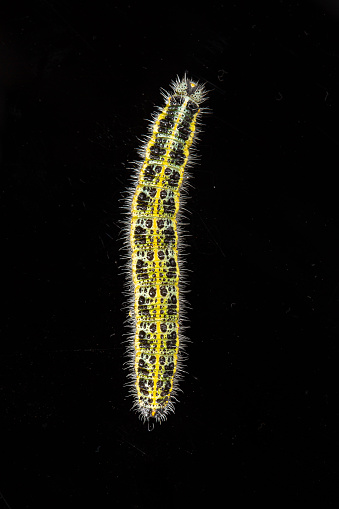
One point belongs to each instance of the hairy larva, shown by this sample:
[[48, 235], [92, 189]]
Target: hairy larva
[[153, 240]]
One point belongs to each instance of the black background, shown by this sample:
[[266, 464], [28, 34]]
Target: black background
[[258, 417]]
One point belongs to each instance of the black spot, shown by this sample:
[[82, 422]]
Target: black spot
[[169, 235], [173, 299], [152, 191], [169, 206], [161, 255], [149, 223], [152, 292], [171, 344], [162, 129], [142, 334], [169, 231], [178, 156], [142, 276], [153, 327], [163, 194], [141, 300], [139, 235], [165, 124], [152, 359], [150, 255], [163, 327], [139, 264], [149, 173], [172, 262], [174, 179], [162, 360], [157, 150], [141, 363], [184, 133], [188, 116], [173, 335], [160, 223], [163, 291], [170, 116], [142, 201]]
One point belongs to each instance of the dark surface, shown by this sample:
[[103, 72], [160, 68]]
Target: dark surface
[[258, 417]]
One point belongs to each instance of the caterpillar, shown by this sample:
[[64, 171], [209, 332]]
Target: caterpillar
[[153, 239]]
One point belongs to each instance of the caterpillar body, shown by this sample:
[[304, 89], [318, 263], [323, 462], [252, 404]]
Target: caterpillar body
[[153, 239]]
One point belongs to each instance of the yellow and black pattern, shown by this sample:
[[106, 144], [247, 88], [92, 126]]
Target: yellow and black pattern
[[155, 251]]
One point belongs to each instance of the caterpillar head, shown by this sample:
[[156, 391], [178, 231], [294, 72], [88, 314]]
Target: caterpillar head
[[186, 87]]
